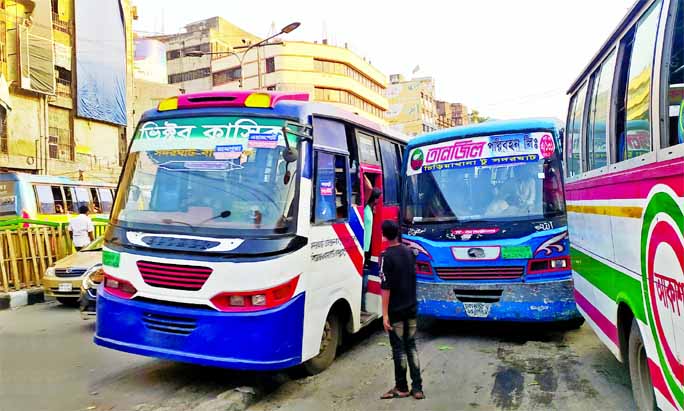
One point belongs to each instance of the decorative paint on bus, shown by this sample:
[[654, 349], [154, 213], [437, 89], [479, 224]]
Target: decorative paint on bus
[[483, 209]]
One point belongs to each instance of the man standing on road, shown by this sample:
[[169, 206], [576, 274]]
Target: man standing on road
[[81, 228], [399, 304]]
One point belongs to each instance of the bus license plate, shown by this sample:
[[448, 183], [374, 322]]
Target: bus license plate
[[477, 310], [65, 287]]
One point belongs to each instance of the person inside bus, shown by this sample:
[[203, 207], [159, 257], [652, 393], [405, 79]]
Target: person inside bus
[[81, 228], [368, 211], [59, 209]]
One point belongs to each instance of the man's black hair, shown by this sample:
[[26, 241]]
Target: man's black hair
[[83, 209], [373, 197], [390, 230]]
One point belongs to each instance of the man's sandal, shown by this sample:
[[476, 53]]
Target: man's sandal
[[419, 395], [394, 393]]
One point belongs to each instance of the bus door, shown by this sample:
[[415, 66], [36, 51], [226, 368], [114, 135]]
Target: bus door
[[371, 178]]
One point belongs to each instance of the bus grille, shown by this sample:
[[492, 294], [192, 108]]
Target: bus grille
[[178, 277], [480, 273], [69, 272], [169, 324]]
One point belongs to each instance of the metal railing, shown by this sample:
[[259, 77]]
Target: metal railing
[[28, 247], [60, 25]]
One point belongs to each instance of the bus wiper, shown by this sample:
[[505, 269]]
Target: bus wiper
[[171, 221], [222, 214]]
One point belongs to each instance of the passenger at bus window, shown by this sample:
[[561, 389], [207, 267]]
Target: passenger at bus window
[[367, 238], [553, 191], [527, 186], [59, 209]]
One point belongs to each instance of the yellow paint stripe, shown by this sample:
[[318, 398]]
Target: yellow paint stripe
[[614, 211]]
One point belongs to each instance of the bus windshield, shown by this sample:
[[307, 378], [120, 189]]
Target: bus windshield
[[489, 185], [208, 175]]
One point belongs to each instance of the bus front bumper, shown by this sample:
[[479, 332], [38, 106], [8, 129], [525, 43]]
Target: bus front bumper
[[521, 302], [263, 340]]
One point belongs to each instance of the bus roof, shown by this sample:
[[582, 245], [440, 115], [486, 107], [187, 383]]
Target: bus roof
[[35, 178], [608, 44], [486, 128], [293, 105]]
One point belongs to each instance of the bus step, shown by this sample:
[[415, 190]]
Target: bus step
[[367, 318]]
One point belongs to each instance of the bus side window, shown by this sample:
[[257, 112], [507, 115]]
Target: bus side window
[[599, 103], [70, 200], [106, 200], [45, 199], [58, 196], [83, 198], [574, 134], [330, 197], [675, 82], [97, 205], [632, 128], [390, 172]]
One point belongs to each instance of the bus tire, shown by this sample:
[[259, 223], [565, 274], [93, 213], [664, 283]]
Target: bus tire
[[639, 373], [329, 342], [69, 302]]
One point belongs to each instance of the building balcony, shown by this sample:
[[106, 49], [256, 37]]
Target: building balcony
[[63, 88], [59, 25]]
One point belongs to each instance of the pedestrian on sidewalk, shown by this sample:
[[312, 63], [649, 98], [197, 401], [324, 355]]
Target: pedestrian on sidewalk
[[81, 228], [399, 309]]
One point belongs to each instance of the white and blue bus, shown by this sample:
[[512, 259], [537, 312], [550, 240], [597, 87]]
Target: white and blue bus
[[237, 233], [483, 207]]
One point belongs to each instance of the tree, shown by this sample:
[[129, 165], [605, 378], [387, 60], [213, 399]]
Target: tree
[[475, 117]]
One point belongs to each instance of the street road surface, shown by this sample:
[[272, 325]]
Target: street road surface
[[48, 362]]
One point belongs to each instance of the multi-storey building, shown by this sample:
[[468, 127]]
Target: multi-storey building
[[191, 72], [412, 107], [451, 114], [328, 73], [48, 123]]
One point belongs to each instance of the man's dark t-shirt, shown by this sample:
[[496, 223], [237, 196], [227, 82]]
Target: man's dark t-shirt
[[398, 274]]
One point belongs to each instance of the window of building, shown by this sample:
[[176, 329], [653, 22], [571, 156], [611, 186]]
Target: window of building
[[4, 148], [227, 76], [633, 127], [344, 69], [675, 81], [331, 201], [345, 97], [190, 75], [599, 103], [271, 88], [575, 123], [270, 64], [60, 143], [390, 171], [63, 81]]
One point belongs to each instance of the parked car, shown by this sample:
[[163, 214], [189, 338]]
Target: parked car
[[63, 281], [91, 281]]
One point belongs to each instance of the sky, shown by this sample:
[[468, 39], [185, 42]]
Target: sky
[[507, 59]]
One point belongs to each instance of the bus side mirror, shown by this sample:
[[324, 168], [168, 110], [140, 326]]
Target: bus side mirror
[[561, 138]]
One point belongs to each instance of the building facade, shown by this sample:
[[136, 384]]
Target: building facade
[[412, 106], [451, 114], [328, 73], [214, 35], [41, 130]]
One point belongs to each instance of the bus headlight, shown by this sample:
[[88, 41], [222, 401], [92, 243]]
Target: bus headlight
[[118, 287], [561, 263], [545, 265]]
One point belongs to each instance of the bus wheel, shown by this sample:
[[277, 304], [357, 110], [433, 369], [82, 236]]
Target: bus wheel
[[642, 387], [329, 342]]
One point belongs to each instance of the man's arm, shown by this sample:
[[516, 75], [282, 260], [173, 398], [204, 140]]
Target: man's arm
[[91, 229], [385, 309]]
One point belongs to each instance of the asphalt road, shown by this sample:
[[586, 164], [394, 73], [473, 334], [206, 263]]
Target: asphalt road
[[48, 362]]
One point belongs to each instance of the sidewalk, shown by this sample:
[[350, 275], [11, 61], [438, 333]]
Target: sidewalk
[[15, 299]]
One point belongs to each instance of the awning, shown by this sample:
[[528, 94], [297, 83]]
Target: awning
[[4, 94]]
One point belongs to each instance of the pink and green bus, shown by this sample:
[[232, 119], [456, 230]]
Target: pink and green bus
[[624, 157]]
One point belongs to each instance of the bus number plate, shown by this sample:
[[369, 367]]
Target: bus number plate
[[477, 310]]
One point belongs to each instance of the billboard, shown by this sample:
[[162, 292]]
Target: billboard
[[150, 61], [100, 61]]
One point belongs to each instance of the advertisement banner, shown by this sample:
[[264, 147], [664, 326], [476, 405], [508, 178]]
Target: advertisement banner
[[481, 151]]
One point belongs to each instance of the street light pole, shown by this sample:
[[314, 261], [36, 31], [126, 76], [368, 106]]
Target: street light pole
[[241, 58]]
